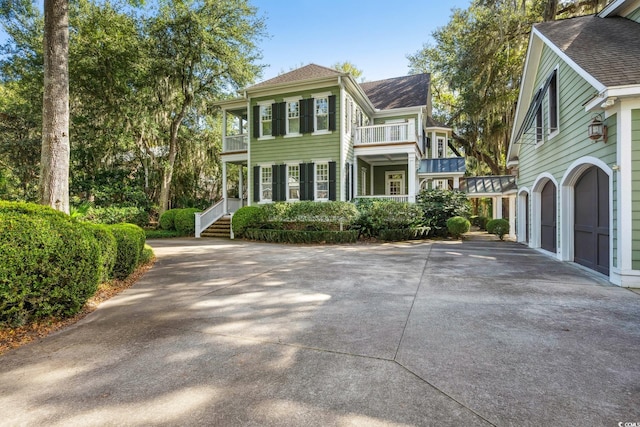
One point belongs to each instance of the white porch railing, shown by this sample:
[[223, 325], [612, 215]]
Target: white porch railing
[[208, 217], [387, 133], [235, 143], [398, 198]]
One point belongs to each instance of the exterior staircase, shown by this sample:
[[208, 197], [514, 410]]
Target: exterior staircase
[[220, 228]]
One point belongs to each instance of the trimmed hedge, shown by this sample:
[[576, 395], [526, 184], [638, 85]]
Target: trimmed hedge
[[440, 205], [130, 243], [378, 216], [50, 264], [296, 236], [108, 250], [246, 217], [399, 234], [185, 221], [166, 220], [116, 215], [499, 227], [457, 226]]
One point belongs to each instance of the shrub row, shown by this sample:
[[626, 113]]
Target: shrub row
[[378, 217], [115, 215], [297, 236], [52, 264], [181, 220]]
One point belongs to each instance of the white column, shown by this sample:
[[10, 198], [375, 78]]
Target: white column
[[356, 176], [225, 204], [241, 184], [224, 130], [456, 182], [411, 165], [512, 217], [497, 207]]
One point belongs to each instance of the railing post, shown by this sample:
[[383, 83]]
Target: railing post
[[198, 227], [411, 131]]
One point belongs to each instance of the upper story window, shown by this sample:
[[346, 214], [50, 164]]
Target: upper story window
[[553, 102], [321, 114], [322, 181], [293, 117], [442, 149], [539, 126], [266, 116]]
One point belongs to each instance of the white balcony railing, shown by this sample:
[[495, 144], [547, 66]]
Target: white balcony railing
[[387, 133], [235, 143], [397, 198]]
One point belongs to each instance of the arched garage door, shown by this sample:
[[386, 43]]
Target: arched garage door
[[591, 232], [548, 217]]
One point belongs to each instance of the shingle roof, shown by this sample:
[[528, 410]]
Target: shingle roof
[[606, 48], [430, 122], [439, 166], [308, 72], [498, 184], [398, 92]]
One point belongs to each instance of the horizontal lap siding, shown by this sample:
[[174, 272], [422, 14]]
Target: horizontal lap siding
[[379, 179], [571, 142], [382, 120], [635, 15], [303, 149], [635, 188]]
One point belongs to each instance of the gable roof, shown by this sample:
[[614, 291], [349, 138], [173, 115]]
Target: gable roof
[[308, 72], [398, 92], [597, 45]]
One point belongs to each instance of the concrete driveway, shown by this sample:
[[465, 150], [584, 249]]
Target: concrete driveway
[[236, 333]]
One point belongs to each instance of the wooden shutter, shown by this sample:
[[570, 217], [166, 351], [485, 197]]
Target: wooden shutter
[[255, 120], [283, 118], [278, 117], [348, 182], [256, 183], [332, 112], [306, 115], [306, 181], [282, 182], [332, 180], [275, 183]]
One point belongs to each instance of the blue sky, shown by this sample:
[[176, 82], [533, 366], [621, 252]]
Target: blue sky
[[376, 36]]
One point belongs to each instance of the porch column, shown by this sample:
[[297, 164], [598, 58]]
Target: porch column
[[497, 207], [512, 217], [411, 166], [225, 204], [241, 185], [224, 130], [456, 182], [356, 173]]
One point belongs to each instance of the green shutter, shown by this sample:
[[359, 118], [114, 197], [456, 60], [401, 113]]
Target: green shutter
[[332, 180], [255, 120], [306, 181], [332, 112], [256, 183]]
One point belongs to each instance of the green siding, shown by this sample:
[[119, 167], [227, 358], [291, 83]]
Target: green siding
[[555, 155], [635, 189], [366, 185], [634, 16], [379, 173], [305, 148], [383, 120]]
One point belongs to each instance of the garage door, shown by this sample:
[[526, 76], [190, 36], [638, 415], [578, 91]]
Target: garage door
[[591, 232], [548, 217]]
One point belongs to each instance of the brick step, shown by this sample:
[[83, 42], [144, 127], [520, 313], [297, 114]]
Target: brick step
[[220, 228]]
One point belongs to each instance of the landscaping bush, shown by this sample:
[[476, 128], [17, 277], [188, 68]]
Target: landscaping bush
[[246, 217], [328, 216], [399, 234], [108, 250], [499, 227], [457, 226], [479, 221], [115, 215], [185, 221], [439, 205], [50, 264], [130, 243], [147, 255], [160, 234], [378, 215], [166, 220], [296, 236]]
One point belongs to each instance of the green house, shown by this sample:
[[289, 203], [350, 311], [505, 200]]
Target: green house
[[317, 134], [575, 146]]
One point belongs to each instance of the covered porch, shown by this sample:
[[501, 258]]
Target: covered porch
[[497, 188]]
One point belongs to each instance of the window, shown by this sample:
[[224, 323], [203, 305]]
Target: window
[[348, 116], [293, 182], [293, 117], [539, 128], [265, 120], [553, 103], [440, 184], [442, 152], [394, 183], [322, 114], [266, 184], [322, 181], [363, 181]]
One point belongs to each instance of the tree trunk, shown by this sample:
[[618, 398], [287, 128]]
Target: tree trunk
[[167, 173], [54, 168]]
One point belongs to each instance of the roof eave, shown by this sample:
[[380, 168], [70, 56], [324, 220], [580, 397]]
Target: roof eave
[[276, 87]]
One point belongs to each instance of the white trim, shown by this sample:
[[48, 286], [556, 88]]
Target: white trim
[[625, 186], [315, 181], [316, 98], [619, 8], [567, 205], [288, 100], [342, 195], [387, 181], [551, 134], [288, 165], [521, 216], [262, 168], [262, 104], [536, 212]]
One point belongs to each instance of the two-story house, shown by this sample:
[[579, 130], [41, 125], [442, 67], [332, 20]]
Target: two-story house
[[576, 142], [317, 134]]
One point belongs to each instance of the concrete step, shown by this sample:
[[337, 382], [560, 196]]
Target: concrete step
[[220, 228]]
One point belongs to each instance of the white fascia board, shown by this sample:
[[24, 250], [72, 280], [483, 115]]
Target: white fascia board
[[437, 128], [357, 92], [279, 88], [611, 8], [231, 104], [619, 8], [440, 174], [398, 111], [611, 94]]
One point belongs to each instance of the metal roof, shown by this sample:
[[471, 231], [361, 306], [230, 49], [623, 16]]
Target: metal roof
[[498, 184], [443, 166]]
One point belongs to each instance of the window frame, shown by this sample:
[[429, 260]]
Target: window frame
[[264, 105], [288, 185], [388, 179], [263, 169], [553, 131], [287, 101], [317, 97], [316, 182]]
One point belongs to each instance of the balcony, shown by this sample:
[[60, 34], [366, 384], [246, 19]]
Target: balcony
[[386, 134], [235, 143]]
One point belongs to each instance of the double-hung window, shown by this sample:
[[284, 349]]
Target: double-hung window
[[321, 114], [322, 181], [553, 102], [293, 182], [266, 116], [293, 117], [266, 183]]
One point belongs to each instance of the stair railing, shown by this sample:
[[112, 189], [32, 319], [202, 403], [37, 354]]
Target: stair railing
[[208, 217]]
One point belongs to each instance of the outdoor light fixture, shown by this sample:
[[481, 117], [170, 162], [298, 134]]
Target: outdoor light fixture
[[596, 129]]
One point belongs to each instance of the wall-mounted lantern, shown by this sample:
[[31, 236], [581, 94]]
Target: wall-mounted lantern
[[597, 129]]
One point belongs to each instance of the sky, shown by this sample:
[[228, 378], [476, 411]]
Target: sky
[[374, 35]]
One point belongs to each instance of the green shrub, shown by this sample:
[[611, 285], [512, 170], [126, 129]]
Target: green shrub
[[130, 243], [115, 215], [167, 219], [50, 264], [439, 205], [185, 221], [147, 255], [399, 234], [499, 227], [377, 215], [108, 249], [296, 236], [246, 217], [457, 226], [328, 216], [160, 234], [479, 221]]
